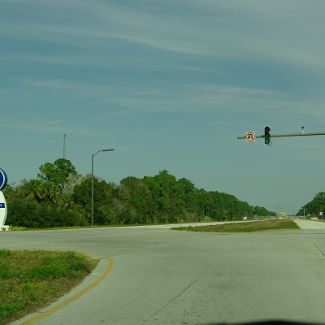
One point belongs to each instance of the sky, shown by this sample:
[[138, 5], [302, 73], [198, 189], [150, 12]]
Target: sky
[[169, 84]]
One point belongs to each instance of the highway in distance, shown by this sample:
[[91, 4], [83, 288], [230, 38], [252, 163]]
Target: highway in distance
[[162, 276]]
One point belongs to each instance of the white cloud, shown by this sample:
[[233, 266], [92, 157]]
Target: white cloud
[[254, 30], [285, 31], [40, 125], [140, 97], [205, 99]]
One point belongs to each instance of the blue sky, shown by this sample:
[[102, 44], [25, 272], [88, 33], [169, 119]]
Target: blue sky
[[169, 85]]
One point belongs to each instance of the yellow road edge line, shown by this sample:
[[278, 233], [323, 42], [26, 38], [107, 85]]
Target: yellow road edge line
[[76, 296]]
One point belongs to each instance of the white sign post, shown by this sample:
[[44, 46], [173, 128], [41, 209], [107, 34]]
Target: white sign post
[[3, 212], [3, 203]]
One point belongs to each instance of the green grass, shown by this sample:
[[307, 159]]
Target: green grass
[[245, 226], [17, 228], [32, 279]]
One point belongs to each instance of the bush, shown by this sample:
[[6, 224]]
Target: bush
[[4, 253], [25, 213]]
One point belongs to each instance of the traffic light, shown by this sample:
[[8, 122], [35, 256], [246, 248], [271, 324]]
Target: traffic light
[[267, 135]]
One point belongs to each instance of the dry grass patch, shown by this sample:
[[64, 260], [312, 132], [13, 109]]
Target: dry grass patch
[[245, 226], [32, 279]]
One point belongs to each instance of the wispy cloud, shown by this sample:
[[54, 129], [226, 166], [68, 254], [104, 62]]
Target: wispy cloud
[[251, 29], [44, 126], [141, 98], [219, 29], [201, 98]]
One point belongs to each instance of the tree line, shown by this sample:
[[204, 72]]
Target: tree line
[[314, 208], [59, 196]]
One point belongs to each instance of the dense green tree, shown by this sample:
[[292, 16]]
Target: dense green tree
[[26, 213], [58, 172], [260, 211], [61, 197], [43, 200], [38, 191], [103, 199], [315, 206], [169, 201], [135, 194]]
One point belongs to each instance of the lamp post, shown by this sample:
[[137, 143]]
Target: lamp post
[[92, 181]]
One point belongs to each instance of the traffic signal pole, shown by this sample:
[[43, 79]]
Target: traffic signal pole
[[287, 135]]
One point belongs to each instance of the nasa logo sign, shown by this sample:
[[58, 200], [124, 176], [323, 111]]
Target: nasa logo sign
[[3, 179]]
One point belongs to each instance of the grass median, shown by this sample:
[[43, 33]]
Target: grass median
[[33, 279], [250, 226]]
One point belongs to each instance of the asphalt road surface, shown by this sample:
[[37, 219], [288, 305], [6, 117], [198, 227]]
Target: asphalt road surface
[[162, 276]]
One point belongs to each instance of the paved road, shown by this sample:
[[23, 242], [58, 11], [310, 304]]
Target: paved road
[[162, 276], [308, 225]]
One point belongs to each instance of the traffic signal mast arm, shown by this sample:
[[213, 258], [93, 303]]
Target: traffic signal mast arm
[[286, 135]]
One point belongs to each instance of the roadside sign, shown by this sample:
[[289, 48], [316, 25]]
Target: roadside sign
[[3, 179], [3, 210], [250, 136]]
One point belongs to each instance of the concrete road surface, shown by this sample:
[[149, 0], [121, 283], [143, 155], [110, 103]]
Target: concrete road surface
[[162, 276]]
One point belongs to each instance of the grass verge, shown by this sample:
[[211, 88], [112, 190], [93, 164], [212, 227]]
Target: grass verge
[[33, 279], [245, 226]]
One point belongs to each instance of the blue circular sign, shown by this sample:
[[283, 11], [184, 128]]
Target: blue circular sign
[[3, 179]]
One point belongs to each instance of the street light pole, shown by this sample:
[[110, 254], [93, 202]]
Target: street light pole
[[92, 181]]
